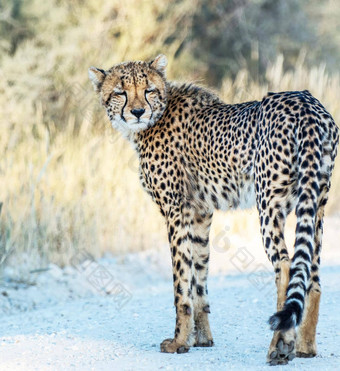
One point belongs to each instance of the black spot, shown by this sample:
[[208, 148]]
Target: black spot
[[199, 266], [200, 290]]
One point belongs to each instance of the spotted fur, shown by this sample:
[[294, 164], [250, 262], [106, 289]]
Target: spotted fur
[[198, 154]]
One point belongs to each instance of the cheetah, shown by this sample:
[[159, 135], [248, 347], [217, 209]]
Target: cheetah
[[198, 154]]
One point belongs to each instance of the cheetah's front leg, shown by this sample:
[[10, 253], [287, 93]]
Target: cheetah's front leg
[[178, 223]]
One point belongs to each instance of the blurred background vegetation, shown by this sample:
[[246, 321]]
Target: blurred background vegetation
[[67, 181]]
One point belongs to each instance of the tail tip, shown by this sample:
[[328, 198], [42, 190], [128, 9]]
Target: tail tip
[[283, 320], [274, 322]]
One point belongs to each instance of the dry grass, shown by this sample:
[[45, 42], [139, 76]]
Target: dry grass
[[62, 192]]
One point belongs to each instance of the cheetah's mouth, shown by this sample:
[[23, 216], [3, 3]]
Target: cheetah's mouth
[[140, 123], [128, 125]]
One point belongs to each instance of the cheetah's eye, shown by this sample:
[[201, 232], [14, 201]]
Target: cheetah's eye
[[119, 92], [151, 90]]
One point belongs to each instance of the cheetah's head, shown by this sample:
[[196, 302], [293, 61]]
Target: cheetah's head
[[133, 93]]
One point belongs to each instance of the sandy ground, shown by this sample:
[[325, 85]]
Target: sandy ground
[[113, 313]]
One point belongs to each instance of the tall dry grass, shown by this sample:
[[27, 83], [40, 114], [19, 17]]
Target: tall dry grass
[[62, 191]]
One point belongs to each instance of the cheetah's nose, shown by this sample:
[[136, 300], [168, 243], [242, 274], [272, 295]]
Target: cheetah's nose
[[138, 112]]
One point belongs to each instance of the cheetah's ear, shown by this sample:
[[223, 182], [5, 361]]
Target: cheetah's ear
[[97, 77], [159, 64]]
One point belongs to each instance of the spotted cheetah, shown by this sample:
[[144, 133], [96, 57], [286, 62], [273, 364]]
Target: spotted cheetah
[[198, 154]]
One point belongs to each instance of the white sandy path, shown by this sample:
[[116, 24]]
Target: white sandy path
[[91, 334]]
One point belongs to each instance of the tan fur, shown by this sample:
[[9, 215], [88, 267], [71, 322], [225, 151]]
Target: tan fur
[[306, 344], [282, 283]]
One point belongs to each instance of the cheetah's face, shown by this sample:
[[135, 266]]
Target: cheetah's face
[[133, 93]]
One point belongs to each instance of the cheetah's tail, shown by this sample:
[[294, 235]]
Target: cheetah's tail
[[312, 149]]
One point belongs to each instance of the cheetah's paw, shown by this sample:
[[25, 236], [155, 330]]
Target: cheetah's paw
[[171, 346], [282, 353]]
